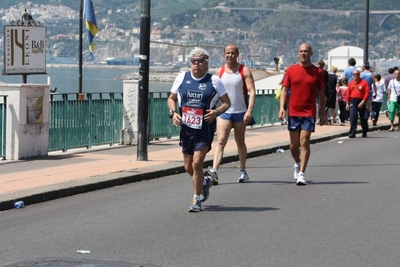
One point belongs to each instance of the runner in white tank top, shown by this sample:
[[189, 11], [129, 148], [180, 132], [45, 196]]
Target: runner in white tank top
[[239, 84], [234, 86]]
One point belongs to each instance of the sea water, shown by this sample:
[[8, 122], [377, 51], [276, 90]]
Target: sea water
[[98, 80]]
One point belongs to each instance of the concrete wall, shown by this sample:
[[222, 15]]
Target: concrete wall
[[28, 109]]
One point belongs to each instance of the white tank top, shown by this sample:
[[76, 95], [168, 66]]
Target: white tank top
[[234, 87]]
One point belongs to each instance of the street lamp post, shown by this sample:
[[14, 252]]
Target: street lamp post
[[366, 29], [143, 130]]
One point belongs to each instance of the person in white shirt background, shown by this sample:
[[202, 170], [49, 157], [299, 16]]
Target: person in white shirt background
[[393, 96], [377, 99]]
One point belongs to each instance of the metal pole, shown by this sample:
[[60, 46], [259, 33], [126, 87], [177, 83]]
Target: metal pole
[[366, 30], [80, 46], [143, 110]]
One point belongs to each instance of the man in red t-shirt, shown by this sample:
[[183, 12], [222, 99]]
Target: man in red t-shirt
[[357, 95], [304, 79]]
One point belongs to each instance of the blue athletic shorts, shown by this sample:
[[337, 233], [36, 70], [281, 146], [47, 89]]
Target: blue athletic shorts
[[304, 123], [236, 117], [193, 142]]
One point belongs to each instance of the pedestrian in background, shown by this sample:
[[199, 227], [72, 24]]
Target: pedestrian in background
[[304, 79], [341, 95], [348, 72], [197, 93], [377, 99], [321, 65], [394, 100], [356, 96], [239, 84], [389, 77], [330, 93], [369, 76]]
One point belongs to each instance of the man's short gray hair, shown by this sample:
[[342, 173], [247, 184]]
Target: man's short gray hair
[[198, 52]]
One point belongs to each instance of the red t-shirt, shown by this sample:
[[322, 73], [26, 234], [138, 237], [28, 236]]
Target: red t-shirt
[[358, 90], [304, 83]]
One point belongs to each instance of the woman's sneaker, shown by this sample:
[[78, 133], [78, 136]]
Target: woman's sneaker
[[213, 174], [243, 177]]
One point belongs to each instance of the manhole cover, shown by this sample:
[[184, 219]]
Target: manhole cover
[[76, 263]]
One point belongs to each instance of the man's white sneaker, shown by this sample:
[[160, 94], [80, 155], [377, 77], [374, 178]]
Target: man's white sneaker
[[296, 171], [301, 179]]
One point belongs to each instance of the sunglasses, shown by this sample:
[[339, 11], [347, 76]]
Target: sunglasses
[[356, 74], [198, 60]]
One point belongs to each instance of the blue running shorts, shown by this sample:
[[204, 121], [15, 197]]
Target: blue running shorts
[[236, 117], [304, 123], [193, 142]]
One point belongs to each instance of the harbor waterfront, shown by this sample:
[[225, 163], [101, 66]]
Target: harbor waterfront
[[95, 79]]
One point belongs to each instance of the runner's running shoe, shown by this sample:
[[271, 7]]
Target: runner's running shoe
[[213, 173], [301, 179], [243, 177], [205, 192], [195, 205]]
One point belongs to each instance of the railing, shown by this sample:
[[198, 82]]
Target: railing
[[96, 120], [266, 108], [265, 112], [3, 124], [160, 125]]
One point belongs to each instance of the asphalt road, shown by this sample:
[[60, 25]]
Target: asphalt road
[[348, 215]]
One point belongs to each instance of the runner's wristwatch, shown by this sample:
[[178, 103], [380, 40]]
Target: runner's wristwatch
[[171, 113]]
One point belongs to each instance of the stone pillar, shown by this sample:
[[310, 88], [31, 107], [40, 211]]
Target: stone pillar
[[28, 109], [129, 131]]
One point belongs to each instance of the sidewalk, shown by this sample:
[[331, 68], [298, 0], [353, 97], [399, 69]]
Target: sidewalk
[[74, 172]]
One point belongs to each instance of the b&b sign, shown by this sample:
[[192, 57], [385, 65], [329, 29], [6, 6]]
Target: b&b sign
[[24, 50]]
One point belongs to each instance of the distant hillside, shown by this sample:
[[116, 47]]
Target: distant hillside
[[273, 34], [168, 7]]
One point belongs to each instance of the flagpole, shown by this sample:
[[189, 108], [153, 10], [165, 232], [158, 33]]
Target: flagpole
[[80, 50]]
